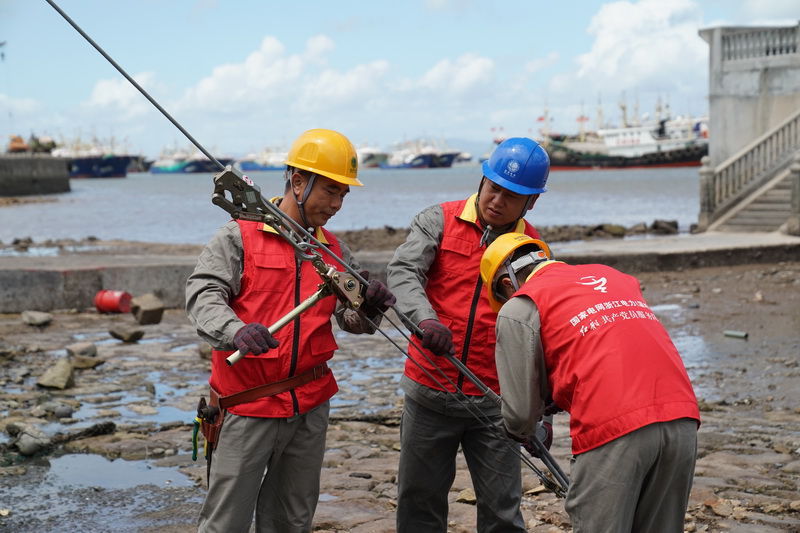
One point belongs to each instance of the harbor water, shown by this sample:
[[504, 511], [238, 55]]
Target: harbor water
[[177, 208]]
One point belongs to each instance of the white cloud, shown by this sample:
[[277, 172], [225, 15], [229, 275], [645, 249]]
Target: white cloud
[[642, 51], [117, 95], [650, 45], [318, 47], [266, 75], [21, 106], [332, 88], [466, 73]]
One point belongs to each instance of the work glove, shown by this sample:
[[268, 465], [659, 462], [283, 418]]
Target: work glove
[[437, 337], [254, 338], [550, 408], [378, 297], [544, 432]]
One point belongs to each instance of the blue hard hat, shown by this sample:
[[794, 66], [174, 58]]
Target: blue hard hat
[[518, 164]]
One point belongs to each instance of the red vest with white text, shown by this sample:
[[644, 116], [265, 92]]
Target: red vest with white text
[[455, 291], [271, 286], [610, 363]]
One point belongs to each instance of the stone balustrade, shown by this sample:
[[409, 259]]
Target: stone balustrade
[[760, 42], [721, 187]]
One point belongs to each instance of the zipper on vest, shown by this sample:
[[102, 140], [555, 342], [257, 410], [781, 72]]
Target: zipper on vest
[[467, 337], [296, 334]]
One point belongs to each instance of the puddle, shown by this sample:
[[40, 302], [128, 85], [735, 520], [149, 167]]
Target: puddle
[[45, 251], [367, 384], [325, 497], [697, 357], [89, 336], [183, 348], [153, 340], [672, 312], [169, 387], [163, 415], [85, 470]]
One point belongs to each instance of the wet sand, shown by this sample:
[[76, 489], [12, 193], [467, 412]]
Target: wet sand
[[748, 466]]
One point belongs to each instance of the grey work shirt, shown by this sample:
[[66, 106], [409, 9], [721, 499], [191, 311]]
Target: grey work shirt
[[216, 280], [407, 275], [521, 368], [520, 365]]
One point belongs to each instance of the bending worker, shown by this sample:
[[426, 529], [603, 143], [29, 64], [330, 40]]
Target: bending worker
[[584, 335], [270, 449], [434, 275]]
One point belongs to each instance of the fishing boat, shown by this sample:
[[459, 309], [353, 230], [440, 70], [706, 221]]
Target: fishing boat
[[670, 143], [267, 159], [371, 156], [420, 154], [185, 162], [92, 160], [659, 142], [34, 144]]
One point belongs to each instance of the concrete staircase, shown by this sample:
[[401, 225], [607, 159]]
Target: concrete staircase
[[765, 210], [752, 190]]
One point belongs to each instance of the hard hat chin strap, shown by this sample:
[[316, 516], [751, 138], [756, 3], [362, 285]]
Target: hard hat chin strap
[[301, 201], [487, 227]]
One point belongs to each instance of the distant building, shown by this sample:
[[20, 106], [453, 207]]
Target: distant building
[[754, 83]]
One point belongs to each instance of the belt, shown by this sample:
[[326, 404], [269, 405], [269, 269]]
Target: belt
[[276, 387]]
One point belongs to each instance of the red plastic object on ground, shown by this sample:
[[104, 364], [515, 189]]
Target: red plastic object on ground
[[112, 301]]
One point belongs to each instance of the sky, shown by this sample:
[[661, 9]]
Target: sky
[[248, 74]]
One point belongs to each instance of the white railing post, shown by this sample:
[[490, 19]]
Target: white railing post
[[707, 201]]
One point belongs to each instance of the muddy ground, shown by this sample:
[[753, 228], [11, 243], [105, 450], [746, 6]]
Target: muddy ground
[[141, 476]]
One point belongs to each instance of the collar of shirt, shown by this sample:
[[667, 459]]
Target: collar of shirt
[[318, 233], [470, 214], [541, 265]]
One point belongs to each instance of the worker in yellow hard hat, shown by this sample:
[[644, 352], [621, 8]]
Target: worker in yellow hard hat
[[581, 338], [275, 401]]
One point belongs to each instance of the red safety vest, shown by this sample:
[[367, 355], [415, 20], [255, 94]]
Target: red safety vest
[[610, 363], [271, 286], [455, 291]]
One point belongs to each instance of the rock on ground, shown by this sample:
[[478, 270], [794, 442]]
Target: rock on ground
[[749, 443]]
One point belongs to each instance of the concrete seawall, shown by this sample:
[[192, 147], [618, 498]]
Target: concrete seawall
[[25, 174], [71, 281]]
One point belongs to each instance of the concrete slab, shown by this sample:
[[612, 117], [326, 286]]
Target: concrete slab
[[673, 252], [71, 281]]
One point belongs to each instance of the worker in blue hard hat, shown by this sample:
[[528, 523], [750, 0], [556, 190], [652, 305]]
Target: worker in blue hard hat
[[435, 278]]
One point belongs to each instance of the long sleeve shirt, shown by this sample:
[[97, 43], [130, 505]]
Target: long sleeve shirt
[[217, 279], [520, 366], [407, 275]]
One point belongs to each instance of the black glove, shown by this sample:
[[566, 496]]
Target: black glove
[[550, 408], [377, 297], [437, 337], [254, 338], [544, 431]]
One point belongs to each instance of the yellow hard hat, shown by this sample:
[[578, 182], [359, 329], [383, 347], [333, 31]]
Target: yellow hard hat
[[327, 153], [497, 255]]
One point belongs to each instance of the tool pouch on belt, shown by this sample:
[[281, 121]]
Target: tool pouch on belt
[[211, 418]]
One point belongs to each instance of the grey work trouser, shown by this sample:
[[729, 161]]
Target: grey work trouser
[[639, 482], [429, 443], [270, 465]]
